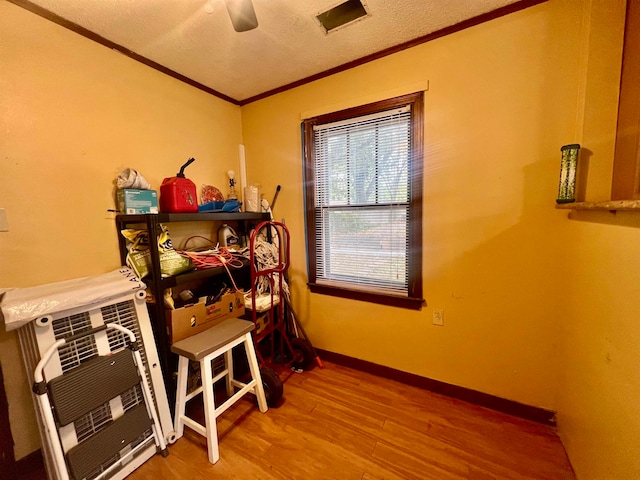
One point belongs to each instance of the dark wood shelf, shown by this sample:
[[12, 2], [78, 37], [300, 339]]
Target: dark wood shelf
[[200, 274], [192, 217]]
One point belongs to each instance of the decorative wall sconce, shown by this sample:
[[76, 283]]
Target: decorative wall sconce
[[568, 169]]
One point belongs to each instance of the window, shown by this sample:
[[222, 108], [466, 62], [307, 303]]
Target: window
[[363, 199]]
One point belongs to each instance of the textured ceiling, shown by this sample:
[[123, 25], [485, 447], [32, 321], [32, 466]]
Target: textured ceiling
[[288, 46]]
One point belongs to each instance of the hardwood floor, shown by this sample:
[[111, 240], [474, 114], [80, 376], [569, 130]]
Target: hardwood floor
[[339, 423]]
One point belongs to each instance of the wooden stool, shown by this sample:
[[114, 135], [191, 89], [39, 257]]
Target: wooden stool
[[205, 347]]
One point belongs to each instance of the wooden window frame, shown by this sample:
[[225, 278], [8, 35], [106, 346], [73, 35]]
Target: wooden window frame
[[626, 167], [414, 299]]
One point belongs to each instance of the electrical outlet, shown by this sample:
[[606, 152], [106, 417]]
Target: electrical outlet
[[438, 317], [4, 224]]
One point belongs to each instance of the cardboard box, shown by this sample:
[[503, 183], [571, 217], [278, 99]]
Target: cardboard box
[[186, 321], [230, 305], [134, 202]]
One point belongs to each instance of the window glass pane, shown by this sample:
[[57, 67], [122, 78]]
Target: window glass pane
[[393, 170], [365, 246], [337, 170], [364, 163], [362, 167]]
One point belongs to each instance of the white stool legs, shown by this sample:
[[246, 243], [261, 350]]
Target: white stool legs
[[255, 373], [205, 347], [210, 409]]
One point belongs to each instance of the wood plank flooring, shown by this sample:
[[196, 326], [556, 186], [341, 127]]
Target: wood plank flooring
[[339, 423]]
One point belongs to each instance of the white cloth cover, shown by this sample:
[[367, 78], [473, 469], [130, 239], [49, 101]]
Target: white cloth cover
[[19, 306], [130, 178]]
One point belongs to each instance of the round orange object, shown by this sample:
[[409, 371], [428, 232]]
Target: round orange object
[[211, 194]]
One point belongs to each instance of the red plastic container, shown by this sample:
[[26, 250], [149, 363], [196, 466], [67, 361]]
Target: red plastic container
[[178, 194]]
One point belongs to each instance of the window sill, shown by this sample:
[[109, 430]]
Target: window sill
[[611, 205], [402, 302]]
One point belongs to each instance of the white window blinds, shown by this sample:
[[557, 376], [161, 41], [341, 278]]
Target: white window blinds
[[362, 200]]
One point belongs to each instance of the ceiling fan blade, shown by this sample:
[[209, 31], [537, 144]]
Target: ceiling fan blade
[[243, 16]]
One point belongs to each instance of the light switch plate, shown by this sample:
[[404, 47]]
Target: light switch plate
[[438, 317], [4, 224]]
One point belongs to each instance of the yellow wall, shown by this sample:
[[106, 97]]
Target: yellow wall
[[599, 388], [496, 116], [73, 114], [538, 308]]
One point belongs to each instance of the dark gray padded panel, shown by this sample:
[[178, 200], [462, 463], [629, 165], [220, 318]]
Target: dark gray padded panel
[[92, 384], [96, 450]]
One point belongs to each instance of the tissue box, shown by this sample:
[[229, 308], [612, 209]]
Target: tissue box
[[134, 202]]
